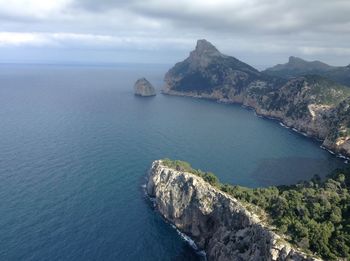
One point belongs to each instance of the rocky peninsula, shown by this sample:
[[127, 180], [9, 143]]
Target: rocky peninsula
[[311, 104], [217, 222], [144, 88]]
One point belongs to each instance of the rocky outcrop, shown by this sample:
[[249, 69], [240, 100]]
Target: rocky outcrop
[[308, 104], [217, 222], [144, 88], [206, 68]]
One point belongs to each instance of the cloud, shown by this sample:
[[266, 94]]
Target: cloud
[[244, 28], [35, 9], [261, 16], [87, 40], [10, 38]]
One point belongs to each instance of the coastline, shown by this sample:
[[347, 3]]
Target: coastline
[[280, 121]]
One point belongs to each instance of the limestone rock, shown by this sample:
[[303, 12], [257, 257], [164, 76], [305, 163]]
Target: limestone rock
[[144, 88], [217, 222]]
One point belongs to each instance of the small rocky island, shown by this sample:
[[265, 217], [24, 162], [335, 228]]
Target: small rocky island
[[218, 223], [144, 88]]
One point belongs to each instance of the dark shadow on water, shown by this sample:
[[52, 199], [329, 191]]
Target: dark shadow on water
[[273, 171], [187, 254]]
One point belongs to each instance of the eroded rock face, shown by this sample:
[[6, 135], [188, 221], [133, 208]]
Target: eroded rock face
[[310, 104], [218, 223], [144, 88]]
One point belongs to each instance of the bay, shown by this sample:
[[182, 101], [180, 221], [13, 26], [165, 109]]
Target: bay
[[76, 145]]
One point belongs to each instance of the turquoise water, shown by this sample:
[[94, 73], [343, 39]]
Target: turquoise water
[[76, 145]]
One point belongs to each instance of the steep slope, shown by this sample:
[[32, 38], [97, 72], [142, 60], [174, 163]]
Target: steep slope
[[207, 69], [298, 67], [217, 222], [308, 103], [339, 136]]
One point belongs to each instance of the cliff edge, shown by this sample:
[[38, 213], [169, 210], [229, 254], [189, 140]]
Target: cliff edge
[[217, 222]]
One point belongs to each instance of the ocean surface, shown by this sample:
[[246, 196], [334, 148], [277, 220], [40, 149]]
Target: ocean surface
[[76, 144]]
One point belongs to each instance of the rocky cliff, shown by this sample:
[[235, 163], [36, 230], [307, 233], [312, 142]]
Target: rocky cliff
[[309, 104], [217, 222], [144, 88]]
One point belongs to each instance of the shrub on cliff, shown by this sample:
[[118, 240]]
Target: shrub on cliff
[[185, 166], [211, 178], [315, 214]]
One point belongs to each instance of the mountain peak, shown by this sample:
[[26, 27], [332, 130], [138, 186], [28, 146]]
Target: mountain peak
[[205, 47], [293, 59]]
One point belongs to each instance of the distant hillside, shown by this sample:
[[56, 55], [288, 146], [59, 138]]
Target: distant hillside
[[207, 68], [298, 67], [340, 74], [311, 103]]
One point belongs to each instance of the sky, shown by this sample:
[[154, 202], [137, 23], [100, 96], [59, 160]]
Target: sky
[[259, 32]]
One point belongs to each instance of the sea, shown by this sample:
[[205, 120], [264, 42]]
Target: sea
[[76, 146]]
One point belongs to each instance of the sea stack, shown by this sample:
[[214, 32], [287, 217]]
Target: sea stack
[[144, 88]]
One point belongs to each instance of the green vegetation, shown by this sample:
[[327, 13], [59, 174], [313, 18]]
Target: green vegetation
[[326, 91], [186, 167], [314, 214], [340, 121]]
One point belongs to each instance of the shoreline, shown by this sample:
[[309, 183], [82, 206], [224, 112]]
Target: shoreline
[[346, 158]]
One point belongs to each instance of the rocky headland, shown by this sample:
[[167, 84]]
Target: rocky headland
[[217, 222], [144, 88], [311, 104]]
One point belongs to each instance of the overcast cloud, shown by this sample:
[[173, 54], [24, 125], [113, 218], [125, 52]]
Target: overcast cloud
[[260, 32]]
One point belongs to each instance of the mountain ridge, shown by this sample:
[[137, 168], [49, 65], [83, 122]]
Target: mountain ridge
[[298, 67]]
